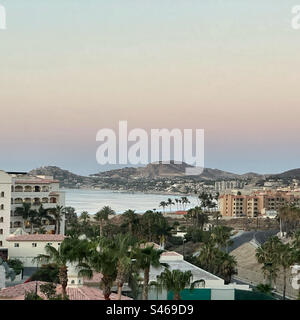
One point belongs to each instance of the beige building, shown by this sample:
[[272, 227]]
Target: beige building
[[256, 204], [26, 247], [18, 188], [37, 191]]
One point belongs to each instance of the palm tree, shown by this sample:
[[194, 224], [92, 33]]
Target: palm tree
[[227, 266], [286, 260], [177, 201], [131, 218], [84, 216], [163, 204], [40, 216], [101, 258], [184, 201], [180, 202], [69, 251], [145, 258], [26, 212], [170, 203], [207, 257], [175, 281], [58, 214], [268, 255], [123, 244], [198, 217], [221, 236], [102, 216]]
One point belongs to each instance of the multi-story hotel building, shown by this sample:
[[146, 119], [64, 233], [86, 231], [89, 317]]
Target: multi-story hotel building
[[257, 203], [19, 188]]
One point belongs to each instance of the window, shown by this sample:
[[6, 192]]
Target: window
[[2, 194], [16, 245], [2, 207], [1, 231], [58, 244], [34, 245], [1, 219]]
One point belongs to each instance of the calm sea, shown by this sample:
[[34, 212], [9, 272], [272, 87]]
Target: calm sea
[[93, 200]]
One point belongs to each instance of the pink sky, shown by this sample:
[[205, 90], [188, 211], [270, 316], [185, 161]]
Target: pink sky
[[233, 72]]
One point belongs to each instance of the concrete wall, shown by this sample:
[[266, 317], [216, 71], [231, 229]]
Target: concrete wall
[[222, 294], [26, 251]]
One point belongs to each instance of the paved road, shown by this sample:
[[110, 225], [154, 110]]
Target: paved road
[[260, 236]]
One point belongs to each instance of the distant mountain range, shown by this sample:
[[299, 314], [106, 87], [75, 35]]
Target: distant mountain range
[[158, 169], [154, 171]]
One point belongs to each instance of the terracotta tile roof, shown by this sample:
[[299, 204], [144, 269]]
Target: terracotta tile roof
[[181, 212], [36, 181], [37, 237], [19, 290], [95, 279], [79, 293]]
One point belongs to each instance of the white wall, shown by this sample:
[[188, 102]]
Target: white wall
[[26, 252], [222, 294]]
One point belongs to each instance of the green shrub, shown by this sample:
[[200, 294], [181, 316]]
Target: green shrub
[[47, 273], [16, 265]]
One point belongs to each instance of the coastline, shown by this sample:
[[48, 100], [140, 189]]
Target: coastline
[[133, 191]]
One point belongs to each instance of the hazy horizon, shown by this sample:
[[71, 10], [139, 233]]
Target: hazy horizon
[[86, 172], [70, 68]]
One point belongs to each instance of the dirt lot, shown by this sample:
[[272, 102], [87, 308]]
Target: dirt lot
[[250, 270]]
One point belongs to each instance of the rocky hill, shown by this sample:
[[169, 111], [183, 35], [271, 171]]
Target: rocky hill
[[290, 174], [155, 177], [65, 177], [160, 170]]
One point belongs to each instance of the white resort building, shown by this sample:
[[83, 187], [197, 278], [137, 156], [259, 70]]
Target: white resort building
[[18, 188]]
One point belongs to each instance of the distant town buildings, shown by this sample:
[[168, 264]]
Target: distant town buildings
[[228, 185], [18, 188], [258, 203]]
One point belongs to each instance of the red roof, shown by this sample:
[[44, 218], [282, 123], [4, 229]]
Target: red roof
[[36, 181], [181, 212], [75, 293], [37, 237], [97, 276]]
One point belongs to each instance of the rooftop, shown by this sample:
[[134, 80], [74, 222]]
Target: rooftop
[[36, 237], [80, 293], [183, 265], [36, 181]]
